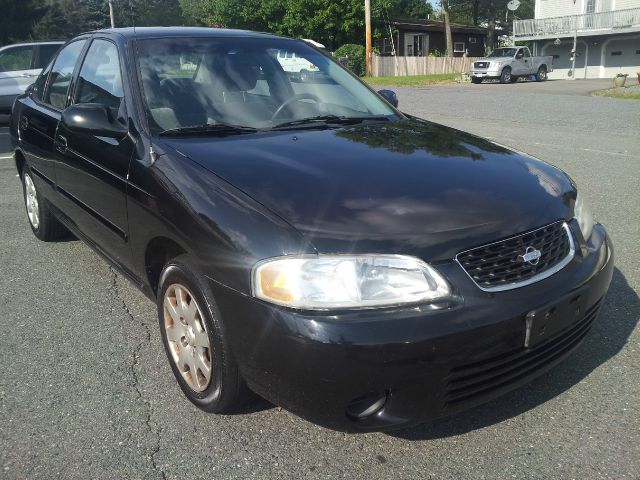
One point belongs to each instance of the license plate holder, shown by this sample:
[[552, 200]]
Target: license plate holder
[[545, 322]]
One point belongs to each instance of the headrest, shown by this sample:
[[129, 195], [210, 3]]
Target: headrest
[[241, 72]]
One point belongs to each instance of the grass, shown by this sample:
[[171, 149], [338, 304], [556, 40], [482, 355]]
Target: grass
[[413, 81], [630, 93]]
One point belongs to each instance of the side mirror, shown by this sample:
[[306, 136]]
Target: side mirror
[[94, 119], [390, 96]]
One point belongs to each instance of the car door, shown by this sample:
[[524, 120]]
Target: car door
[[16, 73], [517, 64], [39, 116], [92, 170], [528, 67]]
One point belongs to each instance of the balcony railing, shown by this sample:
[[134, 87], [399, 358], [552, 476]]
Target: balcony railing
[[590, 22]]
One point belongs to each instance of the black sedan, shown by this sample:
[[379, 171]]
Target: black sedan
[[302, 238]]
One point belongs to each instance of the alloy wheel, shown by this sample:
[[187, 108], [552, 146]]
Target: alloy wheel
[[31, 201], [187, 337]]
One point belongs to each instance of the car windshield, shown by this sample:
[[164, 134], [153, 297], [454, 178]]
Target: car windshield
[[502, 52], [260, 83]]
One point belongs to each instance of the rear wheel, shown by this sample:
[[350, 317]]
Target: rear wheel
[[476, 80], [44, 224], [505, 76], [541, 76], [194, 339]]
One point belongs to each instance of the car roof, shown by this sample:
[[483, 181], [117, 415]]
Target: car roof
[[155, 32]]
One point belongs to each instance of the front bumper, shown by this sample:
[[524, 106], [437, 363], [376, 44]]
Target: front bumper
[[426, 363], [485, 73]]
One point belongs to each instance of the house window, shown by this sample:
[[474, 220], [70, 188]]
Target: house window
[[615, 54], [472, 40], [458, 47], [590, 6]]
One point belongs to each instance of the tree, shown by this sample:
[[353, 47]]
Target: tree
[[444, 5], [489, 13], [17, 19]]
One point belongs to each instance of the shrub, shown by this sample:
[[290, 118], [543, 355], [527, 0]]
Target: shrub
[[355, 57]]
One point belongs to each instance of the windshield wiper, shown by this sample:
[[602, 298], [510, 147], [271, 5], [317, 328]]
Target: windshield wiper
[[210, 129], [325, 121]]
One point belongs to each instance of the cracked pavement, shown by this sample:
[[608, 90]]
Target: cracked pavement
[[87, 392]]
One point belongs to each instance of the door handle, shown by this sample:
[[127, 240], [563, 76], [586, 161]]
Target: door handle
[[61, 143]]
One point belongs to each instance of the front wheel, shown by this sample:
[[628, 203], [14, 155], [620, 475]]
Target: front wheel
[[43, 223], [194, 339], [505, 76], [541, 76], [476, 80]]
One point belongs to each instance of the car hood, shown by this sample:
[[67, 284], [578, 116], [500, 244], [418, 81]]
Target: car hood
[[410, 187]]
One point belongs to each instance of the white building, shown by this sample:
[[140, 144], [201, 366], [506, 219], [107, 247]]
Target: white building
[[608, 33]]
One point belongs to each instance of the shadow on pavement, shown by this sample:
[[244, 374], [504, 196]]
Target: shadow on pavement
[[616, 321]]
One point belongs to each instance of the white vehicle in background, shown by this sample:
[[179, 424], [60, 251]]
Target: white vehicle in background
[[20, 65], [298, 67]]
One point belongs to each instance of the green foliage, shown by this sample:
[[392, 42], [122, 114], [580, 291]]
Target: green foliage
[[17, 19], [355, 57]]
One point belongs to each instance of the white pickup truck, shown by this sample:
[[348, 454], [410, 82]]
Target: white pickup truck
[[510, 63]]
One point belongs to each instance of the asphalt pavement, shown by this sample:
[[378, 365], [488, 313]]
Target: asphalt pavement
[[86, 390]]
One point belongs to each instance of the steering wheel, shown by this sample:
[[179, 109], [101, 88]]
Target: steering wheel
[[295, 98]]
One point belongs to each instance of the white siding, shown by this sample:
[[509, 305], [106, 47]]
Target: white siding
[[560, 8], [623, 4]]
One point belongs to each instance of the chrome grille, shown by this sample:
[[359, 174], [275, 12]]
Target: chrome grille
[[500, 265]]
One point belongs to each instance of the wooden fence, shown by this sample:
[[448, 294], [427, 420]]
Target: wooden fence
[[403, 66]]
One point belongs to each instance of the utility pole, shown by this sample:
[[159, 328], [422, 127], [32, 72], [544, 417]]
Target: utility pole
[[113, 23], [575, 45], [367, 26]]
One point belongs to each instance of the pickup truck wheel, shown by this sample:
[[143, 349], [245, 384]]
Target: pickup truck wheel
[[44, 224], [541, 76], [505, 76], [194, 339], [476, 80]]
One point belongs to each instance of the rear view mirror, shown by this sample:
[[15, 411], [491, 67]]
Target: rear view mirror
[[94, 119], [390, 96]]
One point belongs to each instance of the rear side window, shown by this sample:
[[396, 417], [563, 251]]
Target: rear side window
[[41, 83], [100, 79], [61, 74], [45, 53], [16, 58]]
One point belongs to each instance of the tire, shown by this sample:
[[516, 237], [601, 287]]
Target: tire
[[476, 80], [541, 76], [505, 76], [514, 79], [44, 225], [204, 342]]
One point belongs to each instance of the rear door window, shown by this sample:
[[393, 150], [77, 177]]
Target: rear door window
[[61, 75]]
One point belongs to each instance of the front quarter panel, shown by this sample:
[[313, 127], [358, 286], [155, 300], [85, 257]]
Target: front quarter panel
[[224, 229]]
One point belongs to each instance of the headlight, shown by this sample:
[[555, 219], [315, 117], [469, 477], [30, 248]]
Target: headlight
[[583, 215], [347, 281]]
